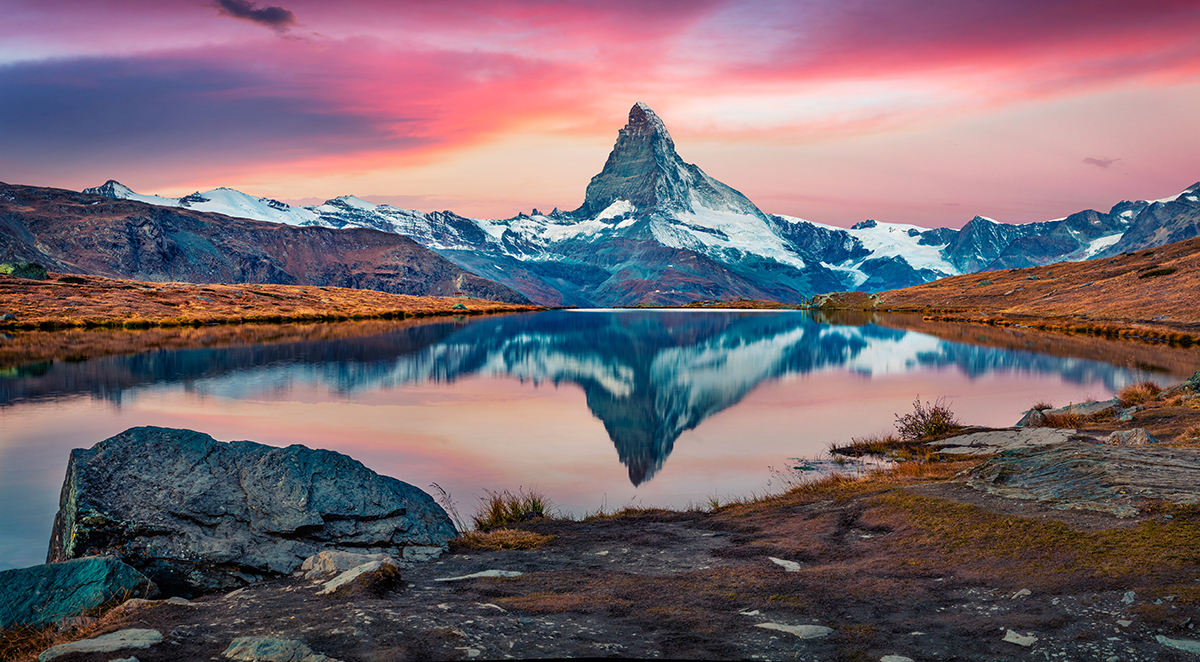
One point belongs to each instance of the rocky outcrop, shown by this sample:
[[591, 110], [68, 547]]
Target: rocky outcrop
[[197, 515], [1088, 476], [45, 594], [268, 649], [107, 643]]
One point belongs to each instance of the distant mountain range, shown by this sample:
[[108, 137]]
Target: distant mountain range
[[655, 229], [81, 233]]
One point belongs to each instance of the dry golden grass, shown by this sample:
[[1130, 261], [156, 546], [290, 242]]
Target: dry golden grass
[[498, 539], [1136, 394], [106, 302], [501, 509]]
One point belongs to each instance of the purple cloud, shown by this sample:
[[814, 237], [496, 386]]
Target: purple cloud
[[1100, 162], [276, 18]]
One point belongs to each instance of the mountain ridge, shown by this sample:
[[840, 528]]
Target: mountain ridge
[[656, 229], [82, 233]]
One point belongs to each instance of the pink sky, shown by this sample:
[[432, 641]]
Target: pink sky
[[918, 112]]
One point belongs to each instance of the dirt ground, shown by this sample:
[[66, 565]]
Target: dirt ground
[[918, 567]]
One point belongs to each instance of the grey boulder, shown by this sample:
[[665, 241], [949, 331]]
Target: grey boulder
[[1086, 408], [1134, 437], [198, 515], [45, 594]]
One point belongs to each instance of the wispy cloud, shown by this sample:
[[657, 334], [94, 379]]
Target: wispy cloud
[[276, 18], [1100, 161]]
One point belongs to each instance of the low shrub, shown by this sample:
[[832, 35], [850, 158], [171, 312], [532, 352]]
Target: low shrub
[[1158, 272], [926, 420]]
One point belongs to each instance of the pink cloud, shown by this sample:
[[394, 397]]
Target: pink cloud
[[363, 86]]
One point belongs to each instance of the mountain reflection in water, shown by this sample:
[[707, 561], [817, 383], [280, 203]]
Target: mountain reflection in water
[[647, 375]]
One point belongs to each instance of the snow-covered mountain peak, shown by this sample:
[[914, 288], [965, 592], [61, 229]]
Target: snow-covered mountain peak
[[112, 189], [643, 121], [644, 170], [351, 202]]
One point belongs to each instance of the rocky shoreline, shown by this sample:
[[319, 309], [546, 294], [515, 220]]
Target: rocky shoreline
[[1022, 543]]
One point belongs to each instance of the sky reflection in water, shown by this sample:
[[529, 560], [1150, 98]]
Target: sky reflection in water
[[596, 409]]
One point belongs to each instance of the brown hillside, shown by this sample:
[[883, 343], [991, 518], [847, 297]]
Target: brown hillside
[[1154, 293], [66, 301]]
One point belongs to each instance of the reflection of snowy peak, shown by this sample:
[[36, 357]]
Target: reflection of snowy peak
[[649, 376], [655, 229]]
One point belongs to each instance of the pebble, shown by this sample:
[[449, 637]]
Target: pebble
[[1019, 639], [484, 573], [1128, 597], [1021, 593], [802, 631], [790, 566], [895, 658]]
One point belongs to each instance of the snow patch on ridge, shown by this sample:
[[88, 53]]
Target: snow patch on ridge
[[715, 232], [616, 209], [1097, 245]]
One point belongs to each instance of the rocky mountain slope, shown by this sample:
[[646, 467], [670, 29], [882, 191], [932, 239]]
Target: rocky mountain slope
[[655, 229], [88, 234]]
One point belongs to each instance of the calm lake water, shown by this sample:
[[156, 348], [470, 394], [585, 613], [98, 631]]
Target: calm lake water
[[597, 409]]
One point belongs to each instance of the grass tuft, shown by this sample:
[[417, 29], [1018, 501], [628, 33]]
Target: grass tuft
[[501, 509], [447, 503], [1136, 394]]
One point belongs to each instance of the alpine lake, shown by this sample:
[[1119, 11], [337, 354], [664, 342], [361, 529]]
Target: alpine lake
[[596, 409]]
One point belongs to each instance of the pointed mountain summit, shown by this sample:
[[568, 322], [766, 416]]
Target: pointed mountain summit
[[644, 170], [112, 189]]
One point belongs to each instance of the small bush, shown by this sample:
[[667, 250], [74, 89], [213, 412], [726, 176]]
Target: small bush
[[1042, 405], [500, 509], [1158, 272], [1136, 394], [31, 270], [927, 420]]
